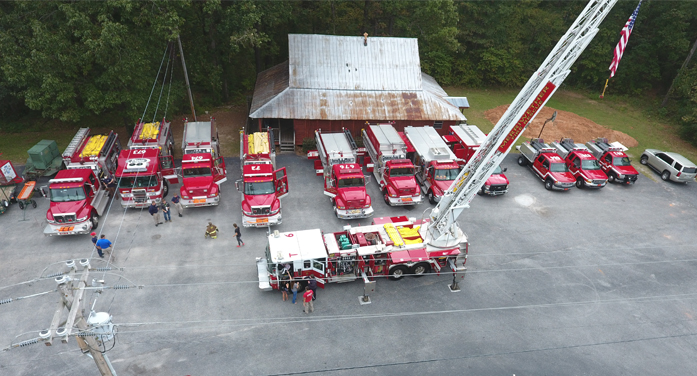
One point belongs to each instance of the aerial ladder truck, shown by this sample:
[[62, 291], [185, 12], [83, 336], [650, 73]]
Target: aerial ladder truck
[[397, 246]]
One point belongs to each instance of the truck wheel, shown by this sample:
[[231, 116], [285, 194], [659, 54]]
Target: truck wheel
[[420, 269], [165, 189], [431, 199], [386, 197], [398, 272], [548, 184], [579, 183], [522, 161], [665, 175], [644, 160], [95, 221], [611, 177]]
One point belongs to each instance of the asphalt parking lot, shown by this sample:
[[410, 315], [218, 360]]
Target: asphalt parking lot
[[585, 282]]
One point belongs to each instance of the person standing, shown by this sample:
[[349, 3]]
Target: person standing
[[307, 301], [238, 235], [177, 204], [285, 288], [294, 288], [109, 184], [164, 206], [94, 238], [312, 285], [155, 213], [103, 245]]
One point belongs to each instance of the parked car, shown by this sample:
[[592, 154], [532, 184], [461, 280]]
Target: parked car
[[671, 166]]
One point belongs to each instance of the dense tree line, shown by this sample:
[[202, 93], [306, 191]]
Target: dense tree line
[[69, 59]]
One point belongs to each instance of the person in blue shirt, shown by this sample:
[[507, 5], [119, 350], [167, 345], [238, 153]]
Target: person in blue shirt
[[103, 245]]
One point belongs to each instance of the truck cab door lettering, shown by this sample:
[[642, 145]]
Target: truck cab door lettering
[[280, 182]]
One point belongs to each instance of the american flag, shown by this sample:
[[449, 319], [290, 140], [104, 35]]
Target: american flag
[[624, 38]]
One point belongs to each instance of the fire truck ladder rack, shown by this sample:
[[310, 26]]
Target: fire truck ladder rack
[[350, 139], [520, 113], [76, 142]]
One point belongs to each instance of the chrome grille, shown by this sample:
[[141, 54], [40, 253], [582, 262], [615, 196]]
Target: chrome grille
[[65, 218], [261, 210], [139, 195], [497, 188], [598, 181]]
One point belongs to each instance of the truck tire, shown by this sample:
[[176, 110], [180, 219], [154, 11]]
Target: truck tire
[[386, 197], [420, 269], [94, 219], [431, 198], [549, 184], [579, 183], [665, 175], [398, 272], [611, 177], [644, 160], [522, 161], [165, 189]]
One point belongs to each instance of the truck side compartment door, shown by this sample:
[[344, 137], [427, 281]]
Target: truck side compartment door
[[280, 182], [168, 169], [219, 171]]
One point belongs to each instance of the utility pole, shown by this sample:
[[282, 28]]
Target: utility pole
[[72, 299], [684, 65], [186, 78]]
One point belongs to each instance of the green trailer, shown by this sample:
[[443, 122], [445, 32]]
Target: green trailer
[[44, 160]]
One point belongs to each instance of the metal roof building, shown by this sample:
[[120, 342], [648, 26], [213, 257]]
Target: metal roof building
[[330, 82]]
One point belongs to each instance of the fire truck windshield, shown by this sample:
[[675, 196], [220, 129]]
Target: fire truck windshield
[[351, 182], [447, 173], [260, 188], [621, 161], [497, 171], [137, 182], [402, 171], [558, 167], [67, 194], [196, 172], [590, 164]]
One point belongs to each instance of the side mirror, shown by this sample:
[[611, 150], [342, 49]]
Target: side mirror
[[237, 185], [44, 191], [505, 169], [367, 179]]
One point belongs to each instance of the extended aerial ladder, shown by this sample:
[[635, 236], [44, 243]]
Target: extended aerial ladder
[[443, 229]]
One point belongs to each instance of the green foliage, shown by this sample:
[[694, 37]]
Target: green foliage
[[309, 144]]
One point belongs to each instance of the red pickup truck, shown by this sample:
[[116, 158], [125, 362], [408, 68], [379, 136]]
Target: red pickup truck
[[546, 164]]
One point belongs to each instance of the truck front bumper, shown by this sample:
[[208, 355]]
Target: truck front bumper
[[200, 201], [130, 203], [354, 213], [496, 192], [563, 186], [81, 228], [405, 201], [262, 221]]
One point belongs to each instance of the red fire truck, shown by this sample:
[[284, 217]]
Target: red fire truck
[[546, 164], [77, 197], [613, 161], [146, 168], [262, 185], [466, 141], [344, 181], [77, 200], [390, 247], [203, 169], [438, 166], [582, 164], [393, 171]]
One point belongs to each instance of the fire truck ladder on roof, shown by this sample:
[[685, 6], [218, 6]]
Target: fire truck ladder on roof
[[543, 83], [76, 141]]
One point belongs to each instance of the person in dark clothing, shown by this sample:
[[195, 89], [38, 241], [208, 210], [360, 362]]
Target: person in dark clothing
[[312, 285], [238, 234], [94, 238], [155, 213], [177, 204], [164, 206]]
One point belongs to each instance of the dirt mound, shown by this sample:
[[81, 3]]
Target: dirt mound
[[567, 124]]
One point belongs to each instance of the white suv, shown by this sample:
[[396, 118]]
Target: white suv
[[671, 166]]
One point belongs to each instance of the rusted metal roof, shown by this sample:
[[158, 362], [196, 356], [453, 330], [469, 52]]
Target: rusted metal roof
[[386, 82]]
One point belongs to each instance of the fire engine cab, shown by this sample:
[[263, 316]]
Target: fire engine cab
[[203, 169]]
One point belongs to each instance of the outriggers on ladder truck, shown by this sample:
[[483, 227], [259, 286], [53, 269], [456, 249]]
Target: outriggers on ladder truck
[[393, 246], [393, 171], [262, 185], [344, 182], [203, 169], [77, 197], [146, 167]]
